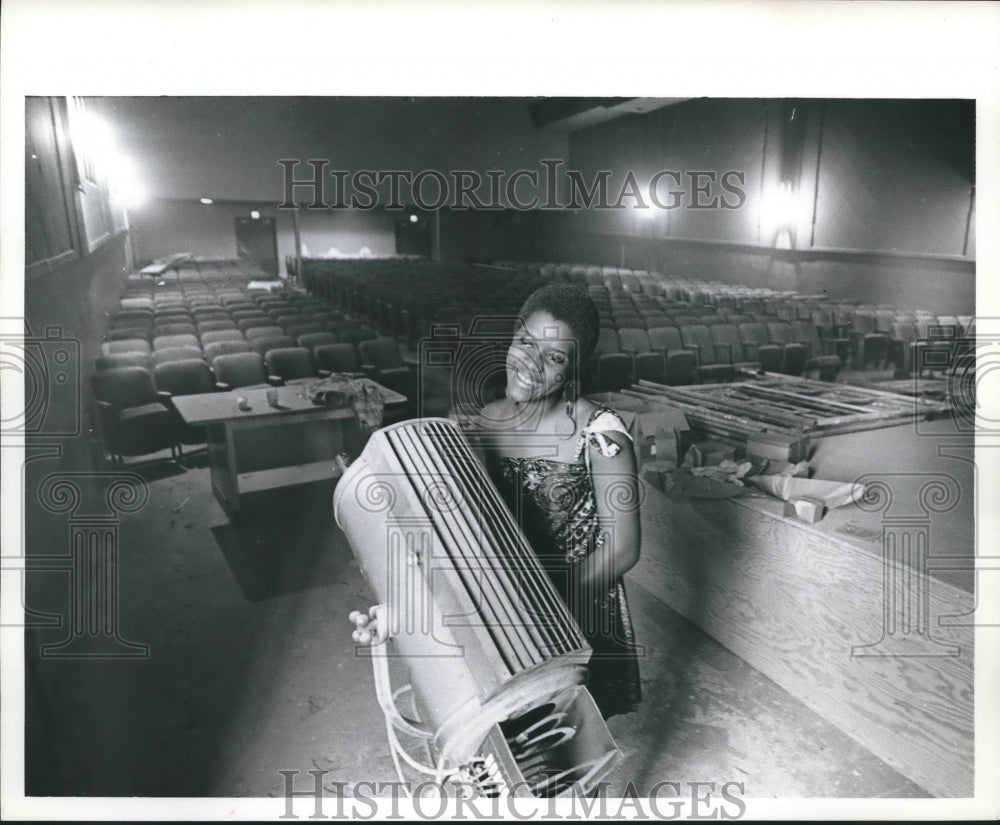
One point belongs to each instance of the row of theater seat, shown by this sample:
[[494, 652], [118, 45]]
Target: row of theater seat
[[194, 335]]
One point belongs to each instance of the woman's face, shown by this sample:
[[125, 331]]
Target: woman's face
[[540, 358]]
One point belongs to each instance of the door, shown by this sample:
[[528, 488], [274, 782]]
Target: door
[[413, 237], [257, 243]]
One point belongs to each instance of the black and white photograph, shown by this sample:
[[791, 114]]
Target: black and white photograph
[[501, 414]]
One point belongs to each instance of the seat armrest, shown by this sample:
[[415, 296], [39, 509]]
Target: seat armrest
[[412, 363], [164, 395], [222, 386], [697, 352], [369, 368], [728, 349], [275, 380], [324, 373], [631, 351]]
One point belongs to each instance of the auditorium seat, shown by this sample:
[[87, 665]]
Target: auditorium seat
[[633, 340], [269, 331], [316, 339], [167, 354], [614, 372], [337, 358], [216, 326], [211, 350], [126, 345], [121, 359], [757, 346], [356, 336], [162, 330], [382, 361], [828, 365], [220, 335], [239, 369], [650, 366], [191, 377], [267, 343], [289, 364], [793, 354], [180, 340], [710, 366], [133, 419]]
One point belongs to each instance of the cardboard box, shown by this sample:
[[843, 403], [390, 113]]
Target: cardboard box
[[779, 446], [809, 510]]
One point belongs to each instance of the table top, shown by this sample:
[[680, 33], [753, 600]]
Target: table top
[[292, 399]]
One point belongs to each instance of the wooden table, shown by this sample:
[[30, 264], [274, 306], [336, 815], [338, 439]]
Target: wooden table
[[265, 447]]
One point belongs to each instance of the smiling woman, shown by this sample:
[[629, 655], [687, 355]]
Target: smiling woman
[[568, 472]]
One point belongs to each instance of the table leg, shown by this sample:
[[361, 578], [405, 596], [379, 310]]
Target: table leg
[[222, 461]]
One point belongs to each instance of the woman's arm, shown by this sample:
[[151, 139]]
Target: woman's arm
[[616, 487]]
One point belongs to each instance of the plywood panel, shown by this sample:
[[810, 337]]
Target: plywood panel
[[794, 601]]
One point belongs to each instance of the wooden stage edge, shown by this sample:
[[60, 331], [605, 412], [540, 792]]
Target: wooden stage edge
[[866, 639]]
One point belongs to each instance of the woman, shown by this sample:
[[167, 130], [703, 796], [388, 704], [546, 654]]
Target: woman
[[568, 471]]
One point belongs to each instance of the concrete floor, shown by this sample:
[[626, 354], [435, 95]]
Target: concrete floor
[[252, 671]]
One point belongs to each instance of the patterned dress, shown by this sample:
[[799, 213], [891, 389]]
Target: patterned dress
[[556, 506]]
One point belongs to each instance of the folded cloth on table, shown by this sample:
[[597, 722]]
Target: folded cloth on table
[[341, 390]]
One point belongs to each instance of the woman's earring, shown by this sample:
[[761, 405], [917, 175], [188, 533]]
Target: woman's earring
[[570, 396]]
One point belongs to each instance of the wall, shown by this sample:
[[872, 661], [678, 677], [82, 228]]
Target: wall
[[228, 148], [75, 299], [162, 227], [882, 210]]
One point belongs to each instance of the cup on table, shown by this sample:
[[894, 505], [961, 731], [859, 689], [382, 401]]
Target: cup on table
[[242, 403], [272, 398]]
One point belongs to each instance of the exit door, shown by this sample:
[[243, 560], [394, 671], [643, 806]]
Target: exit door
[[413, 237], [257, 243]]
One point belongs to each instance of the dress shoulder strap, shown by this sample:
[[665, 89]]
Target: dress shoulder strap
[[602, 420]]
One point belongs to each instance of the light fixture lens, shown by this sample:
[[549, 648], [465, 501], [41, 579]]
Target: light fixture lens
[[255, 214], [414, 219], [206, 200]]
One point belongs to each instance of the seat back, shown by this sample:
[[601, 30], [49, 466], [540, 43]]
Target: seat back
[[126, 345], [614, 372], [779, 332], [167, 341], [265, 345], [163, 356], [215, 326], [239, 369], [184, 377], [607, 341], [175, 329], [634, 339], [337, 358], [904, 331], [221, 335], [650, 366], [382, 353], [805, 332], [121, 359], [304, 328], [289, 363], [316, 339], [224, 348], [270, 331], [665, 339], [698, 335], [124, 387], [249, 320], [356, 336], [728, 345]]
